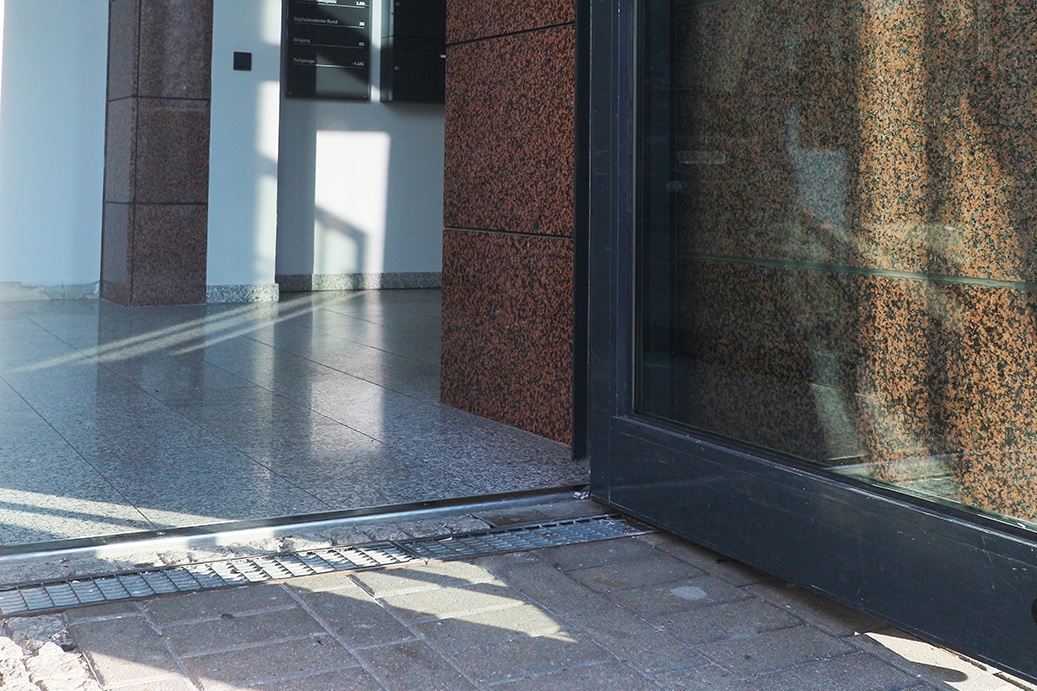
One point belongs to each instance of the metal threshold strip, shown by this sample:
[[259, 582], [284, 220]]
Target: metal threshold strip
[[55, 596]]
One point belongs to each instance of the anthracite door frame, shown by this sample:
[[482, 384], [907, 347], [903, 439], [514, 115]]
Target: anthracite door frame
[[957, 580]]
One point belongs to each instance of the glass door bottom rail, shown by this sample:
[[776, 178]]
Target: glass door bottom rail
[[940, 479]]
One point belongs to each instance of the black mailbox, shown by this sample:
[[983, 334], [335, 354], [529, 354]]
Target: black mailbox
[[414, 51]]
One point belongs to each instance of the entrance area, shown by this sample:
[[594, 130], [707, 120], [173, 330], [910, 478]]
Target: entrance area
[[117, 420]]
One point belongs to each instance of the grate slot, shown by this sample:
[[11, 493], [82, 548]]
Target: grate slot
[[56, 596]]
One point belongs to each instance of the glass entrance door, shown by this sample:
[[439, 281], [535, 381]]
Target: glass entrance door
[[813, 325]]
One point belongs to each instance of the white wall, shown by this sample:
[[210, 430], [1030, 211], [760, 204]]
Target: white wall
[[243, 144], [361, 184], [52, 112]]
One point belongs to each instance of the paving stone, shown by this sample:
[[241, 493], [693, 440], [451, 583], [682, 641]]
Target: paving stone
[[527, 656], [774, 650], [181, 684], [417, 578], [236, 631], [487, 629], [659, 568], [605, 675], [740, 619], [623, 634], [855, 672], [391, 582], [214, 604], [450, 573], [124, 651], [32, 633], [277, 662], [69, 685], [707, 677], [356, 618], [443, 603], [352, 679], [692, 593], [411, 665], [829, 616], [732, 571]]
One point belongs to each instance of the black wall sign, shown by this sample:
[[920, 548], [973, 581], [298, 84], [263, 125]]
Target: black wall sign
[[328, 49]]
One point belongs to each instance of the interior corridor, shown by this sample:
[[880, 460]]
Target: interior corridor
[[115, 420]]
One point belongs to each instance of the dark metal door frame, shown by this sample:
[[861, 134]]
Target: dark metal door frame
[[957, 580]]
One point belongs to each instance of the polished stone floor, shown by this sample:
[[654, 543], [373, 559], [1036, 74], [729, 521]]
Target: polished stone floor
[[120, 419]]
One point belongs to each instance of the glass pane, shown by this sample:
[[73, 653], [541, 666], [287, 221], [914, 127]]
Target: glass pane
[[837, 216]]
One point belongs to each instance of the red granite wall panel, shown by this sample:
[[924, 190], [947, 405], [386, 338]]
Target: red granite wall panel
[[507, 329], [470, 21], [508, 195], [509, 133]]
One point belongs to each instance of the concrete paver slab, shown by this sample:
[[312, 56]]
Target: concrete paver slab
[[606, 675], [352, 679], [855, 672], [356, 618], [124, 651], [692, 593], [529, 656], [704, 678], [732, 571], [411, 665], [826, 614], [659, 568], [233, 632], [215, 604], [730, 620], [774, 650], [443, 603], [275, 662], [624, 635]]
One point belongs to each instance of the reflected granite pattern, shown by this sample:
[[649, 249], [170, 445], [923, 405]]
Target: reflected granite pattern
[[508, 208], [853, 199], [157, 152]]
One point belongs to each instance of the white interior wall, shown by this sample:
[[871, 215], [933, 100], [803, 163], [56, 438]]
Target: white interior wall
[[361, 184], [243, 144], [52, 113]]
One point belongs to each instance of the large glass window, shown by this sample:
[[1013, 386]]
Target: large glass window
[[837, 213]]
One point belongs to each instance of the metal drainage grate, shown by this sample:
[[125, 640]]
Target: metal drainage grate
[[56, 596]]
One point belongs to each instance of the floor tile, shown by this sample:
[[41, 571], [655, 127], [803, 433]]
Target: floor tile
[[202, 414]]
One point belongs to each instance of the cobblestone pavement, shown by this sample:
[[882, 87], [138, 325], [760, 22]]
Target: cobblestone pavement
[[644, 612]]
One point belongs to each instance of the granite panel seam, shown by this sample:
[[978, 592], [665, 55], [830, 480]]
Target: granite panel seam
[[509, 233], [508, 34]]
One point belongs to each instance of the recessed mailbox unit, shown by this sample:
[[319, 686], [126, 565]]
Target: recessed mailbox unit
[[414, 51], [328, 49]]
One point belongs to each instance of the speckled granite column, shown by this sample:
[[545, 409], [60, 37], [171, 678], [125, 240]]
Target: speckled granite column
[[157, 152], [508, 248]]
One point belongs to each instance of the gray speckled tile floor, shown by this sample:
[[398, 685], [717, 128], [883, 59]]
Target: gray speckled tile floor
[[118, 419]]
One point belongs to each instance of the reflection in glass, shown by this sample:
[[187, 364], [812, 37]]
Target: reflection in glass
[[836, 225]]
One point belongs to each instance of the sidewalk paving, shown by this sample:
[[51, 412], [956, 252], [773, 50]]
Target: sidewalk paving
[[645, 612]]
